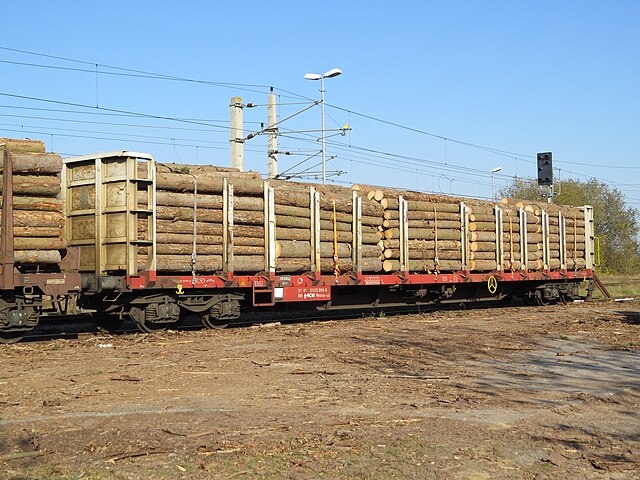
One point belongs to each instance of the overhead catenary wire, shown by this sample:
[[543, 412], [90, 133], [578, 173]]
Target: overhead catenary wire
[[106, 114], [95, 137], [137, 114], [118, 124], [115, 133], [144, 74]]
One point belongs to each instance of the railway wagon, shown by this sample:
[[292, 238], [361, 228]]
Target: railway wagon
[[38, 275], [160, 242]]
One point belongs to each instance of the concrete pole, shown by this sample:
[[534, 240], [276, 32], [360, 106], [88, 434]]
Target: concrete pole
[[236, 142], [272, 147], [493, 190], [324, 155]]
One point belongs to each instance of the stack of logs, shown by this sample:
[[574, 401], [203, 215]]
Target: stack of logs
[[293, 229], [175, 200], [482, 238], [574, 233], [434, 230], [38, 218], [433, 225], [176, 197]]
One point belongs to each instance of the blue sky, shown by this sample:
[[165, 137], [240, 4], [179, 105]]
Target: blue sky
[[471, 81]]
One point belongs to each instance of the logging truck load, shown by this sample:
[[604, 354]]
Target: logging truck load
[[156, 242]]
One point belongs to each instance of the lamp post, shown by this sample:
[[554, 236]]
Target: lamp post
[[493, 172], [334, 72]]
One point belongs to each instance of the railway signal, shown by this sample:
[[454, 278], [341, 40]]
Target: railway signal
[[545, 169]]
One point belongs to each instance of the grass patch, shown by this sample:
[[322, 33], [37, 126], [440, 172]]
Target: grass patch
[[620, 286]]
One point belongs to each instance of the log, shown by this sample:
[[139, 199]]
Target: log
[[36, 163], [248, 263], [410, 195], [293, 198], [186, 213], [439, 216], [371, 251], [371, 238], [425, 244], [299, 265], [440, 224], [480, 217], [167, 226], [37, 232], [302, 249], [424, 234], [325, 235], [390, 224], [203, 170], [292, 211], [483, 265], [21, 146], [181, 182], [371, 264], [482, 246], [569, 221], [240, 217], [44, 186], [422, 206], [37, 256], [345, 204], [425, 254], [205, 249], [514, 226], [44, 204], [34, 243], [482, 255], [175, 199], [576, 238], [579, 263], [340, 226], [485, 210], [369, 220], [482, 226], [26, 218], [423, 265], [206, 239], [482, 236], [294, 222], [182, 263], [424, 216]]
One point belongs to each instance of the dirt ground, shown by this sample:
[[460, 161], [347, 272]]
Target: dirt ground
[[519, 392]]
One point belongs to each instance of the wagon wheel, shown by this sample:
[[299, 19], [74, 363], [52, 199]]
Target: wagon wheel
[[11, 336], [211, 322], [14, 333], [221, 314], [146, 320], [540, 300]]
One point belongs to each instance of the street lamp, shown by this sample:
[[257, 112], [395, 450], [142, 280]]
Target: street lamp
[[334, 72], [493, 172]]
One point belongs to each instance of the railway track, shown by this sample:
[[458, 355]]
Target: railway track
[[82, 326]]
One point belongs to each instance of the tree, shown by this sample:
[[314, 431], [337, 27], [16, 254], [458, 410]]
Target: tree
[[616, 224]]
